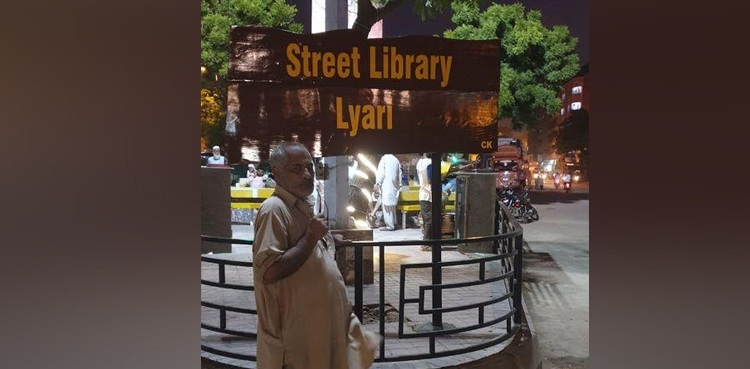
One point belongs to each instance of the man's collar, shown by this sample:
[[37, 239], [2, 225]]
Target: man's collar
[[290, 199]]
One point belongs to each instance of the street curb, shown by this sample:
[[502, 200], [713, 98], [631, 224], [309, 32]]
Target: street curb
[[534, 354], [522, 352]]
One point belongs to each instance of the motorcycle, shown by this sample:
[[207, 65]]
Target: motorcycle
[[519, 204], [539, 181], [567, 186], [505, 195], [557, 182]]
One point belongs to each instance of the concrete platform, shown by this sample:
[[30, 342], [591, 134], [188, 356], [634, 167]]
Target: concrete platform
[[514, 352]]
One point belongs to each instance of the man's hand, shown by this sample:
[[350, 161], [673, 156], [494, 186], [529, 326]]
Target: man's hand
[[293, 258], [339, 240], [317, 228]]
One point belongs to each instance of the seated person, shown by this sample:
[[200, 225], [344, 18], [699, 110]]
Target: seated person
[[217, 159], [256, 180]]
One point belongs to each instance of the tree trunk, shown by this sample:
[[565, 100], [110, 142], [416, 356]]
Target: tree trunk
[[368, 14]]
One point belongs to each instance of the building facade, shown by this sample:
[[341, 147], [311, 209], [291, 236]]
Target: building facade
[[575, 94]]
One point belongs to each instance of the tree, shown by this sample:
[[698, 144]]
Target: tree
[[212, 117], [573, 136], [542, 136], [535, 61], [217, 19], [370, 12]]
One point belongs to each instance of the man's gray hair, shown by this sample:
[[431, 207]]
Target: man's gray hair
[[278, 153]]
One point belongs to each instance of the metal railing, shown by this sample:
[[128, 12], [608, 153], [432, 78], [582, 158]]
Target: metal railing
[[507, 251]]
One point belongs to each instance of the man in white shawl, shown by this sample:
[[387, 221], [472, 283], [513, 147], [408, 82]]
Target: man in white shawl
[[388, 183]]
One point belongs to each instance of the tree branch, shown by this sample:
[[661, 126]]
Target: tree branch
[[368, 14]]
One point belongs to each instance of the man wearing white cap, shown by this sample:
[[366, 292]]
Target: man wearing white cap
[[217, 158]]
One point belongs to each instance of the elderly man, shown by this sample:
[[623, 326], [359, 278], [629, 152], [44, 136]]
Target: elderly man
[[217, 159], [305, 320]]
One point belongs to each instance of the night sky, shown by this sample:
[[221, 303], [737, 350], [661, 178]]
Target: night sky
[[572, 13]]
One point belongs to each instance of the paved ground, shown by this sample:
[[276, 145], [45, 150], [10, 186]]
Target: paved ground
[[556, 277]]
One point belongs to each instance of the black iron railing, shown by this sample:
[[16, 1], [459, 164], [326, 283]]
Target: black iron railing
[[223, 309], [507, 252]]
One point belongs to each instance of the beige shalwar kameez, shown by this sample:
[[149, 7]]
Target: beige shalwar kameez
[[305, 320]]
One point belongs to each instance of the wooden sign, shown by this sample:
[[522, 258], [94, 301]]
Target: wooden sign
[[394, 95]]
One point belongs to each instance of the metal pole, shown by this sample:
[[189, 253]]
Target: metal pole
[[358, 282], [222, 312], [518, 277], [381, 268], [499, 224], [437, 231]]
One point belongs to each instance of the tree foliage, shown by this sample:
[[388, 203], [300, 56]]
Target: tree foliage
[[573, 135], [535, 60], [212, 118]]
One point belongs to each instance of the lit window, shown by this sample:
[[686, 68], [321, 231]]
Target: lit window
[[575, 106], [577, 89], [562, 111]]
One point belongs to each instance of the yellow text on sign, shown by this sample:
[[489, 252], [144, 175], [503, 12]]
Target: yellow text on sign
[[398, 66], [384, 63], [366, 116], [312, 64]]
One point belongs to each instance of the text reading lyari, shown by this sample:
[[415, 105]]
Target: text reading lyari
[[384, 63]]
